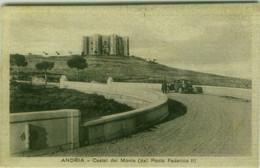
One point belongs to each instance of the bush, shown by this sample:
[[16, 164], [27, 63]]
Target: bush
[[26, 88], [13, 83]]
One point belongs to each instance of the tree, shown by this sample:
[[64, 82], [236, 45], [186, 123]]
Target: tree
[[19, 61], [77, 62], [44, 66]]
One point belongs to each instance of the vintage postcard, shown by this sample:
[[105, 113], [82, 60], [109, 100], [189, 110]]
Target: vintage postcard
[[165, 85]]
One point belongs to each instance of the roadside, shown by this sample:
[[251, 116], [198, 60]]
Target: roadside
[[212, 126]]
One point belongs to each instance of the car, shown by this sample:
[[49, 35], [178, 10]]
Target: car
[[181, 86]]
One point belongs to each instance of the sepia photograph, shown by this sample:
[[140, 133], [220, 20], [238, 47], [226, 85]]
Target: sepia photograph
[[130, 85]]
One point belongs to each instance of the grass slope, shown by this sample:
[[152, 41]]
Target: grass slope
[[128, 69]]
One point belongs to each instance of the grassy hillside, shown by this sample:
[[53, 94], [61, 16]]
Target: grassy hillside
[[126, 69]]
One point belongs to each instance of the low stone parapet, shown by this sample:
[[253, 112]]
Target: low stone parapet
[[134, 97], [123, 124], [150, 107]]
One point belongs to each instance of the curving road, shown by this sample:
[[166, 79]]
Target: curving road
[[201, 125]]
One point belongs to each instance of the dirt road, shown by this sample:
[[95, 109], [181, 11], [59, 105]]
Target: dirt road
[[201, 125]]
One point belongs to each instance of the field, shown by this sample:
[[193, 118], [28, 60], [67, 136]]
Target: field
[[125, 69], [32, 98]]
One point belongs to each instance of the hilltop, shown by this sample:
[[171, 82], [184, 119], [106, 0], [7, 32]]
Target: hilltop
[[126, 69]]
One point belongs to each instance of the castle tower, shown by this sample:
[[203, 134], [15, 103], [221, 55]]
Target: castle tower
[[113, 44], [126, 46], [85, 47], [97, 44], [120, 46]]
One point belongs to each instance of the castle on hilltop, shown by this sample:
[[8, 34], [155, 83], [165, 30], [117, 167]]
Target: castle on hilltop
[[105, 45]]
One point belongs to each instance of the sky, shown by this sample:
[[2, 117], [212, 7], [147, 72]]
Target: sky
[[215, 40]]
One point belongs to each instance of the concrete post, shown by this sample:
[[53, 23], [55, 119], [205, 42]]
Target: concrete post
[[63, 80], [110, 80]]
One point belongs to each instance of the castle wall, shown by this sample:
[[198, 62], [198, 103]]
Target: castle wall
[[91, 46], [106, 45]]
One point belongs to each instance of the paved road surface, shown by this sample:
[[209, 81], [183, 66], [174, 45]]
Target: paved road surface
[[204, 125]]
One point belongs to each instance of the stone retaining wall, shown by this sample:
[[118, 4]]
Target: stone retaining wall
[[151, 107], [36, 133]]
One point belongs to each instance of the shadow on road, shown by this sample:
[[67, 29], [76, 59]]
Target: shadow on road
[[176, 109]]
